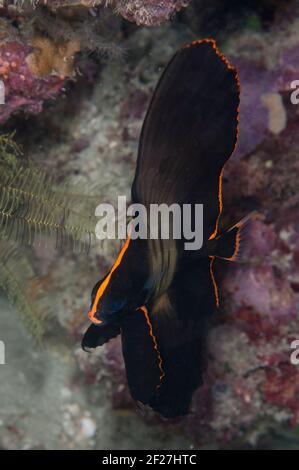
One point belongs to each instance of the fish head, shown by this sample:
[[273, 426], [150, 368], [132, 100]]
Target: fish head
[[108, 300], [122, 290]]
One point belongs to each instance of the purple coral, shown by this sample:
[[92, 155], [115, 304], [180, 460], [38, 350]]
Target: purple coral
[[257, 81], [23, 91]]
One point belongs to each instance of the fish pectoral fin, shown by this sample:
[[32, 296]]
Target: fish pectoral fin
[[98, 335], [230, 244]]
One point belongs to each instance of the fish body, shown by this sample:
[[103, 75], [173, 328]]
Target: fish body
[[157, 295]]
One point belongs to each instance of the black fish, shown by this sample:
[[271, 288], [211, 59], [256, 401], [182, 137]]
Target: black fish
[[157, 295]]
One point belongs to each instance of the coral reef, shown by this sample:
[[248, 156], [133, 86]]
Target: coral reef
[[41, 45], [23, 90], [141, 12], [40, 49], [263, 86], [74, 400]]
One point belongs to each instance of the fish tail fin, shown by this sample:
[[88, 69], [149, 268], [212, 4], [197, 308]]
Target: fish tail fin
[[230, 244]]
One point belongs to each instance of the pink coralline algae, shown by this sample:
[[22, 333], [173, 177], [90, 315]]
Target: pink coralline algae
[[149, 13], [257, 83], [23, 91], [282, 388]]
